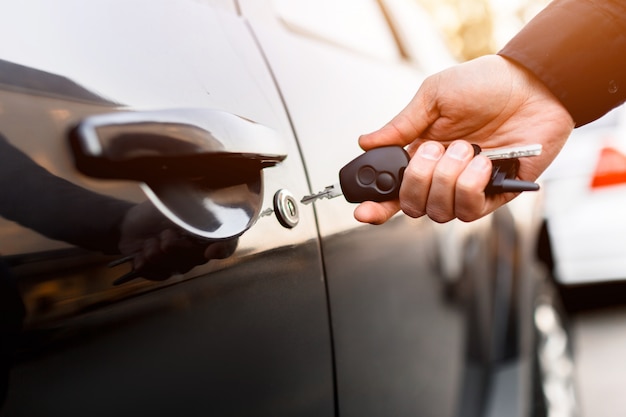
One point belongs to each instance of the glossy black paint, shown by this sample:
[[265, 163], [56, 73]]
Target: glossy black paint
[[224, 344], [297, 322]]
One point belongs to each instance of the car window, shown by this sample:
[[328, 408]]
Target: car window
[[358, 25]]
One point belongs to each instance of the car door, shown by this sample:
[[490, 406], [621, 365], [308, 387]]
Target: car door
[[246, 335], [407, 340], [399, 345]]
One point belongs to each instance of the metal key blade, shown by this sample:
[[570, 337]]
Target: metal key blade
[[512, 152], [331, 191]]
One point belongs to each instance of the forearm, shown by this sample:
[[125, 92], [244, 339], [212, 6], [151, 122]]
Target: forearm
[[54, 207], [577, 48]]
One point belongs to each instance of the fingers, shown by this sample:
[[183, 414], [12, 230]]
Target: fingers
[[222, 249], [471, 203], [441, 183], [440, 197], [376, 213], [170, 252], [417, 179]]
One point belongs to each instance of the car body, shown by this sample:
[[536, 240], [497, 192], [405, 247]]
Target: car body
[[320, 316], [585, 187], [582, 245]]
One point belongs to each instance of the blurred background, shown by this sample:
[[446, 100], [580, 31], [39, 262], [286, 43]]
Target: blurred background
[[472, 28], [477, 27]]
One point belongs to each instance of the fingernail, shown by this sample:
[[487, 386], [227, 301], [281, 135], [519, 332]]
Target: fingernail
[[458, 151], [430, 151], [479, 164]]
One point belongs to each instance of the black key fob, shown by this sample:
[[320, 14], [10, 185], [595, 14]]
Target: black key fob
[[375, 175]]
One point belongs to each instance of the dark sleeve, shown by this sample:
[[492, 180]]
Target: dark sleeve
[[578, 49], [54, 207]]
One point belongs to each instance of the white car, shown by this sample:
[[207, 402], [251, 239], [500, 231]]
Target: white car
[[585, 193]]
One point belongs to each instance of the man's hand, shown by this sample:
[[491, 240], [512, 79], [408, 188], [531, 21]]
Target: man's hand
[[489, 101], [161, 249]]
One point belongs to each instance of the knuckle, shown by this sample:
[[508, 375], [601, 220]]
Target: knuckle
[[411, 210], [467, 216], [469, 203], [439, 216]]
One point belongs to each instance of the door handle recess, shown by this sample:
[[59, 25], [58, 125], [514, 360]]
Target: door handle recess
[[203, 169]]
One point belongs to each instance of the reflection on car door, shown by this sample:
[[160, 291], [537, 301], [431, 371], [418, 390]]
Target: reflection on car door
[[248, 335], [399, 345], [406, 341]]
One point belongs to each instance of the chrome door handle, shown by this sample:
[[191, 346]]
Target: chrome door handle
[[182, 143], [201, 168]]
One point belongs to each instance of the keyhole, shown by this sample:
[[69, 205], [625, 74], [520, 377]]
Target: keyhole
[[286, 209], [291, 207]]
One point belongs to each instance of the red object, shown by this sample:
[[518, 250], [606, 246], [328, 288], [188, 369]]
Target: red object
[[610, 169]]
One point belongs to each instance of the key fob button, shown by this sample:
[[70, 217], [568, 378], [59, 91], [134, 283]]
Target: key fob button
[[375, 175], [385, 182], [367, 175]]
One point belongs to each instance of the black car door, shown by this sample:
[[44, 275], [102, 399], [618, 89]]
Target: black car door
[[408, 339], [245, 335]]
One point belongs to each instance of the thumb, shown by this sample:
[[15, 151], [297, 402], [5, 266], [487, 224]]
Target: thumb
[[408, 125]]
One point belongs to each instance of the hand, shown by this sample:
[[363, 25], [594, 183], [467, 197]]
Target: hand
[[161, 249], [489, 101]]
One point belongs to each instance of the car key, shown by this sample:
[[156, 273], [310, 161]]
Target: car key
[[376, 175]]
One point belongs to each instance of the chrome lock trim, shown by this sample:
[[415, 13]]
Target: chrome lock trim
[[286, 209]]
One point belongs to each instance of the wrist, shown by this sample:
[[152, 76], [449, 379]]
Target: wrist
[[534, 88]]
